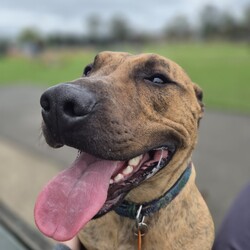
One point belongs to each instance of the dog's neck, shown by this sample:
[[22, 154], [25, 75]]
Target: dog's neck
[[129, 209]]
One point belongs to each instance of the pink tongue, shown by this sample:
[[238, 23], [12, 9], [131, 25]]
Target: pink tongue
[[73, 197]]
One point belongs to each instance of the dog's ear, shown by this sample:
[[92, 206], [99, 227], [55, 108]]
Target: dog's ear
[[199, 96]]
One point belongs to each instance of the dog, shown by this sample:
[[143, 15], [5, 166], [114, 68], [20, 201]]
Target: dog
[[134, 121]]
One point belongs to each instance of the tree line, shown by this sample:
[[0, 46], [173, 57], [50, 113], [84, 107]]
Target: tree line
[[212, 24]]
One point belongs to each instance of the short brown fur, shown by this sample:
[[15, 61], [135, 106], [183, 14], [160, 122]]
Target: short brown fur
[[135, 115]]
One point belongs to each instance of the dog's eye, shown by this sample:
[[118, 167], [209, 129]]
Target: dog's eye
[[87, 69], [158, 79]]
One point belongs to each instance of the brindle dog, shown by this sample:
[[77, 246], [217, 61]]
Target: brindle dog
[[134, 120]]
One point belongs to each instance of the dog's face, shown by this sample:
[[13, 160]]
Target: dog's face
[[133, 111], [124, 106]]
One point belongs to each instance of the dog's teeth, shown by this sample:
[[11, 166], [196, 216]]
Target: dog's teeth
[[118, 178], [128, 170], [135, 161], [111, 181]]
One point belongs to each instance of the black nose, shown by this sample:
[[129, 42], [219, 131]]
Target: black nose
[[64, 105]]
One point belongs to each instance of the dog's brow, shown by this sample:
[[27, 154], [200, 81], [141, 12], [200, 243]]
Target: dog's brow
[[154, 63], [151, 65]]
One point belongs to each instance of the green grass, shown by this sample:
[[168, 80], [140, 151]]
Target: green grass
[[47, 70], [221, 69]]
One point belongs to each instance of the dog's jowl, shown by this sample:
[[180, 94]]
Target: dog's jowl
[[133, 120]]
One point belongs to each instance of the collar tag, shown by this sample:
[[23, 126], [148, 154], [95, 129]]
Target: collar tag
[[140, 228]]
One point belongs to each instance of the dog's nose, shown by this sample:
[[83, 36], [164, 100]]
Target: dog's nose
[[65, 104]]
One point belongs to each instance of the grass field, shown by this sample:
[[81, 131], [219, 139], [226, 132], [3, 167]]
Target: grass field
[[221, 69]]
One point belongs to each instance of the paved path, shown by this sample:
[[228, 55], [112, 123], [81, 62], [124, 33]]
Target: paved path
[[222, 156]]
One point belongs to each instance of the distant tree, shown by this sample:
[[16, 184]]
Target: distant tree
[[31, 41], [59, 40], [4, 46], [119, 29], [229, 27], [29, 35], [179, 29], [55, 39], [247, 16], [246, 23], [210, 18], [94, 23]]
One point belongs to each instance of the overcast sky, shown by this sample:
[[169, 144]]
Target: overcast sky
[[70, 16]]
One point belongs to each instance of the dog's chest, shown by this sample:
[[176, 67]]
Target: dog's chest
[[185, 224], [112, 232], [109, 232]]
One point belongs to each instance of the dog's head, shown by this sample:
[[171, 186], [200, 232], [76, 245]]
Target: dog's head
[[129, 116]]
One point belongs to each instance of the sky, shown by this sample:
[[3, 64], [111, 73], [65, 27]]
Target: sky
[[71, 16]]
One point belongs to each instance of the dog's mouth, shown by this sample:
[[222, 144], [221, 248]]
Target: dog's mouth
[[92, 187], [132, 173]]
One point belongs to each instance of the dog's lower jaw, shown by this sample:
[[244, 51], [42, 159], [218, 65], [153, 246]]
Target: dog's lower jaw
[[184, 224]]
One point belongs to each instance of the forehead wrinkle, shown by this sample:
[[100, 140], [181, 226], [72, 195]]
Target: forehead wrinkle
[[149, 64], [156, 61]]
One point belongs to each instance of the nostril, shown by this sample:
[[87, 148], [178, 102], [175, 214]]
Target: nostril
[[69, 108], [45, 103], [74, 108]]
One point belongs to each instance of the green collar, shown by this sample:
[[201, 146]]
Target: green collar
[[129, 209]]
